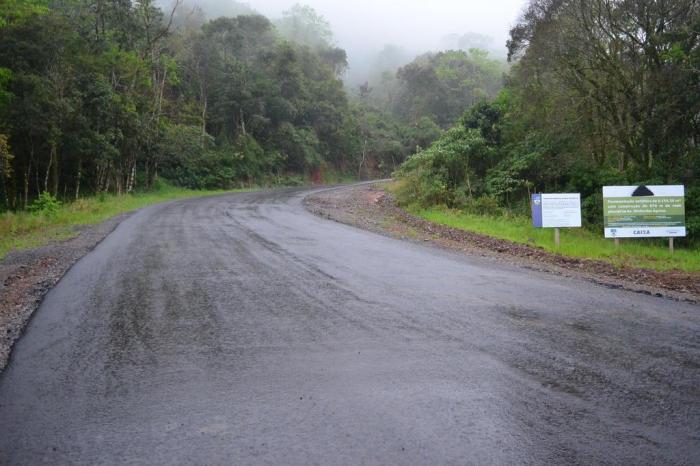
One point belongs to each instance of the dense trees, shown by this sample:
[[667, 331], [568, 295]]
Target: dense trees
[[100, 96], [442, 85], [408, 108], [439, 86], [105, 96], [601, 92], [627, 69]]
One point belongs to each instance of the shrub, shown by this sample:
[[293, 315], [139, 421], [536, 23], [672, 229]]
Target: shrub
[[46, 204], [484, 205], [442, 174]]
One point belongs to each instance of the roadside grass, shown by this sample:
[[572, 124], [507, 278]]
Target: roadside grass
[[25, 230], [331, 177], [575, 242]]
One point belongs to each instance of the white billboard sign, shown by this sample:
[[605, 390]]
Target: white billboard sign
[[556, 210]]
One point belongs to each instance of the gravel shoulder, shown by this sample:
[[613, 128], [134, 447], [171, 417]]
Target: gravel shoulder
[[26, 276], [372, 208]]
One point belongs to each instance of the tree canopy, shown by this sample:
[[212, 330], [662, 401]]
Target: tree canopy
[[600, 92]]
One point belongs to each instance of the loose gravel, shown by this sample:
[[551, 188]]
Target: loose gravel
[[371, 207]]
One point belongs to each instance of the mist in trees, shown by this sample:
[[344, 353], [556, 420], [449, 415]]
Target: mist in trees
[[109, 96], [601, 92]]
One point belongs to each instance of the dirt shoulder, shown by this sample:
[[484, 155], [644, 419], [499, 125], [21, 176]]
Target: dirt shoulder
[[372, 208], [26, 276]]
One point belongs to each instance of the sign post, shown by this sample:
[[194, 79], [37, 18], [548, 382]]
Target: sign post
[[644, 212], [556, 211]]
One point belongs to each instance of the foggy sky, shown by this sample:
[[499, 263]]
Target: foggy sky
[[415, 25], [363, 27]]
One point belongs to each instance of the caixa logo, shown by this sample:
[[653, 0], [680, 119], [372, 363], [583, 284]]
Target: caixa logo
[[642, 232]]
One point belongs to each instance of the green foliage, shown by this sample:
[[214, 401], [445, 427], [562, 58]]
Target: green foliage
[[484, 205], [692, 211], [495, 158], [105, 100], [444, 173], [441, 86], [299, 146], [14, 11], [45, 204], [580, 243]]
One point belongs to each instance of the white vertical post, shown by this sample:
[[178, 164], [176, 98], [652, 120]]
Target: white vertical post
[[556, 238], [670, 244]]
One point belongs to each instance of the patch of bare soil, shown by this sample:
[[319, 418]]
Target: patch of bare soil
[[372, 208], [26, 276]]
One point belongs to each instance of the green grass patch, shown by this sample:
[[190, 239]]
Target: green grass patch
[[331, 177], [575, 242], [24, 230]]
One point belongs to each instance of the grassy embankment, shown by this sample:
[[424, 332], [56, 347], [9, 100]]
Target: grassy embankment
[[24, 230], [575, 242]]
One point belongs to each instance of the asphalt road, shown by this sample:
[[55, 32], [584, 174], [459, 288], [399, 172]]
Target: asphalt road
[[243, 330]]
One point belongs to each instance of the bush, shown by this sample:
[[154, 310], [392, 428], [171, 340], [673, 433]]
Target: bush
[[442, 174], [484, 205], [46, 204], [692, 214]]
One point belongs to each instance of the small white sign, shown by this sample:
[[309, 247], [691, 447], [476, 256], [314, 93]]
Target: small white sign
[[561, 210]]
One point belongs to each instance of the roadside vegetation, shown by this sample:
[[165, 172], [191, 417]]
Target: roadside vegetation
[[598, 94], [575, 242], [48, 219]]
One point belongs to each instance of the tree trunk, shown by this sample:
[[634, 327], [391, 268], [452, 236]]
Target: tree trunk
[[26, 184], [48, 171], [77, 179], [362, 162], [131, 177], [54, 171], [469, 185], [204, 121], [4, 172]]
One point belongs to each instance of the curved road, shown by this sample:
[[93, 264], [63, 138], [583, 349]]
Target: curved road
[[243, 330]]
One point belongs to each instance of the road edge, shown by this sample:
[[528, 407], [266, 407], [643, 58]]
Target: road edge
[[26, 276], [392, 221]]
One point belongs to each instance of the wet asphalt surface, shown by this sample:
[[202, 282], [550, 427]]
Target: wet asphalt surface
[[241, 329]]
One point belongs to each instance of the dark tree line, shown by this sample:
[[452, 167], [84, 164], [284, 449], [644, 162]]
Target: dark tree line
[[107, 96], [100, 96]]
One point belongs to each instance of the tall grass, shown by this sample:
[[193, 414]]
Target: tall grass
[[575, 242], [22, 230]]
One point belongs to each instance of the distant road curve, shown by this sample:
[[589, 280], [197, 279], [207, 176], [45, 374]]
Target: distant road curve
[[241, 329]]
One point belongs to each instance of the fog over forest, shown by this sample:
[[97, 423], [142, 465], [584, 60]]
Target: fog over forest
[[122, 97], [364, 27]]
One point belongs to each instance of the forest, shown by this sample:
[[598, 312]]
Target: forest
[[118, 96], [102, 96], [600, 92]]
